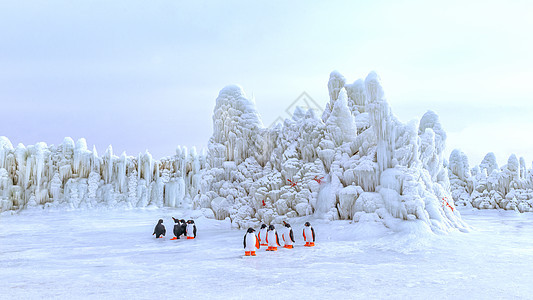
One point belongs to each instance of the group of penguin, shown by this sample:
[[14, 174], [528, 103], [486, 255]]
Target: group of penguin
[[269, 237], [181, 228]]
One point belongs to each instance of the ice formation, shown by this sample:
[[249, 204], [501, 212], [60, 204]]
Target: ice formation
[[488, 186], [374, 167], [357, 161], [71, 176]]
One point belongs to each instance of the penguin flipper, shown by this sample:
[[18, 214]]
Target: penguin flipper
[[313, 231], [291, 234], [194, 230], [257, 245], [244, 241], [277, 239]]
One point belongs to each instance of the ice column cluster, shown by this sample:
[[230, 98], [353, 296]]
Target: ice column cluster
[[488, 186], [71, 176], [356, 161]]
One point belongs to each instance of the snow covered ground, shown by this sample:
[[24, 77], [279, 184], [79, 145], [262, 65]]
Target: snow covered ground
[[102, 254]]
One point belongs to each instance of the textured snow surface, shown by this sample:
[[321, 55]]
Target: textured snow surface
[[111, 254]]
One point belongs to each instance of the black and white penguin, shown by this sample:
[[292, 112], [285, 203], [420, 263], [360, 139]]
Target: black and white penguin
[[159, 229], [288, 236], [272, 239], [183, 227], [251, 242], [263, 235], [191, 230], [309, 235], [177, 229]]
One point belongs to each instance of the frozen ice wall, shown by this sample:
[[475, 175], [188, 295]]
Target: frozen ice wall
[[71, 176], [355, 162], [487, 186]]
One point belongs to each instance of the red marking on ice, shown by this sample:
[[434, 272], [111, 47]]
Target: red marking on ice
[[319, 180], [445, 201], [293, 184]]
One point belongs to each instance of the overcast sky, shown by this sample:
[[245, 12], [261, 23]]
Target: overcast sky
[[145, 74]]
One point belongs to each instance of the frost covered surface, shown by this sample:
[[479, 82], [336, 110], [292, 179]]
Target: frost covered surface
[[487, 186], [69, 175], [111, 254], [372, 165]]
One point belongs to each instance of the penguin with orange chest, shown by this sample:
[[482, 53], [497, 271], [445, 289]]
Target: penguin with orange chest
[[272, 239], [263, 235], [159, 230], [251, 242], [191, 230], [288, 236], [309, 235]]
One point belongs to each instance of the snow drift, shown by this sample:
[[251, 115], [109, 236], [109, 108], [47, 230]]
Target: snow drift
[[357, 161]]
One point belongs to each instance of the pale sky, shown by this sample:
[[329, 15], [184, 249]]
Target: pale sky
[[145, 74]]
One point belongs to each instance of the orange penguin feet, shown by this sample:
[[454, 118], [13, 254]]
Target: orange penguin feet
[[174, 238], [312, 244], [274, 249], [253, 253], [190, 238], [247, 253]]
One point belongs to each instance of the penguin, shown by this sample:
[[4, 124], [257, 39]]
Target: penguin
[[191, 230], [159, 229], [177, 229], [272, 239], [263, 235], [309, 235], [183, 227], [251, 242], [288, 236]]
